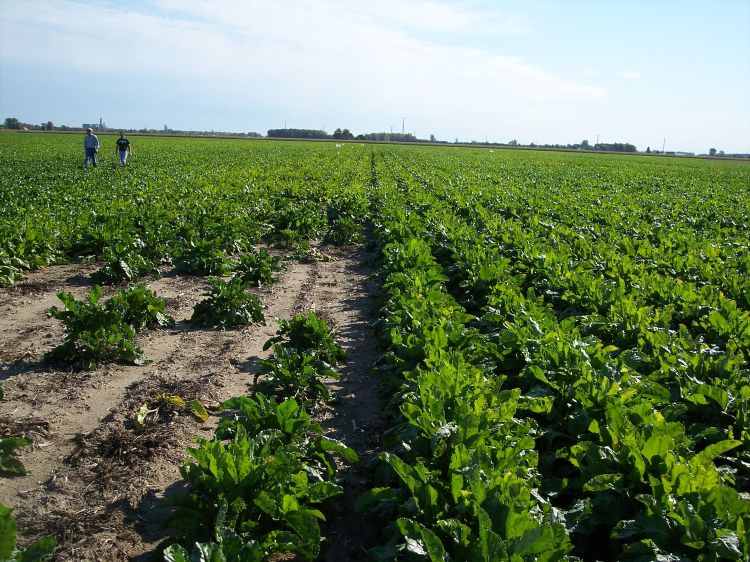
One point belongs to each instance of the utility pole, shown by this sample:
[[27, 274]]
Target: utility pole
[[664, 143], [403, 120]]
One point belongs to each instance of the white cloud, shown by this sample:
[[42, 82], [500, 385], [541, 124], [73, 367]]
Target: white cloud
[[414, 15], [629, 74], [320, 60]]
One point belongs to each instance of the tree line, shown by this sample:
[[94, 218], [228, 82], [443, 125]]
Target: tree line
[[341, 134], [15, 124], [345, 134]]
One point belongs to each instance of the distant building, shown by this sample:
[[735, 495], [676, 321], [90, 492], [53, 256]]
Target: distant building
[[101, 126]]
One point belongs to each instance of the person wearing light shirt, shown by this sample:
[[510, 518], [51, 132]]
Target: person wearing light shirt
[[91, 147]]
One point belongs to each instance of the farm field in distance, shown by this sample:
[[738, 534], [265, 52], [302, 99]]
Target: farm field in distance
[[394, 352]]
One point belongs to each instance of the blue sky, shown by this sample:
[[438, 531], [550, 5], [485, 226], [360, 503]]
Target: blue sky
[[540, 71]]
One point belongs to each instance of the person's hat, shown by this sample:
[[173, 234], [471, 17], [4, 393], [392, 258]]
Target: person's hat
[[89, 130]]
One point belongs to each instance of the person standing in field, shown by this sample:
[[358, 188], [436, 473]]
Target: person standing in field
[[91, 147], [122, 146]]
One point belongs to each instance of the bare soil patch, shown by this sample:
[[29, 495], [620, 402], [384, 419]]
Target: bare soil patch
[[95, 481]]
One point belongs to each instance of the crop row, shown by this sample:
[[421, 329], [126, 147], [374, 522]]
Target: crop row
[[189, 205], [558, 395], [566, 339], [254, 487]]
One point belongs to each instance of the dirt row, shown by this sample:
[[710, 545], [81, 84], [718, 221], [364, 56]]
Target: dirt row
[[96, 483]]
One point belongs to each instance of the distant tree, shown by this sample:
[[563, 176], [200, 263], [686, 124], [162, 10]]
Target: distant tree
[[298, 134], [711, 151], [432, 138], [514, 142], [616, 147], [392, 137], [49, 126], [721, 153], [12, 123], [648, 150], [344, 134], [585, 145]]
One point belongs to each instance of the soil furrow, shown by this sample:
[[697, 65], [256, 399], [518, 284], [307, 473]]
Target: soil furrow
[[94, 482]]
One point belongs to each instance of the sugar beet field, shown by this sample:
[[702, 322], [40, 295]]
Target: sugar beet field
[[245, 350]]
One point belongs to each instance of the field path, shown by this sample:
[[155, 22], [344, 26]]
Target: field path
[[93, 481]]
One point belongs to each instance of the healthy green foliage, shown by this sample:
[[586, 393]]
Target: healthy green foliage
[[93, 333], [125, 263], [96, 333], [229, 546], [228, 305], [260, 487], [9, 464], [345, 220], [565, 336], [289, 423], [296, 221], [309, 333], [11, 270], [256, 268], [291, 373], [202, 258], [141, 308], [41, 549], [257, 481], [304, 349], [587, 406]]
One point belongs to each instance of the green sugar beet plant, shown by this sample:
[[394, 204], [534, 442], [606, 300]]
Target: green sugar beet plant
[[127, 261], [202, 257], [257, 267], [268, 484], [95, 333], [9, 463], [227, 305], [11, 270], [41, 549], [304, 354], [291, 372], [309, 333], [257, 488], [569, 366], [345, 216]]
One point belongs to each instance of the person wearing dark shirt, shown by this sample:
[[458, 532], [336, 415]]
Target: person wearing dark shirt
[[122, 146]]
